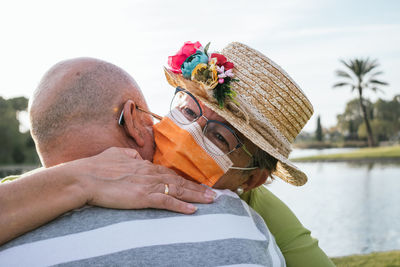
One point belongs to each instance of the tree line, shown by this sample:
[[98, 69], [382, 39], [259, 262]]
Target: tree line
[[384, 120], [362, 121], [16, 147], [351, 130]]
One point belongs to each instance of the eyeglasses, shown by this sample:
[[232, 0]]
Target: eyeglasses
[[121, 120], [220, 134]]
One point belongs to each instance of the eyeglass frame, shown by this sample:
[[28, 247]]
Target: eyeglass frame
[[240, 143], [121, 120]]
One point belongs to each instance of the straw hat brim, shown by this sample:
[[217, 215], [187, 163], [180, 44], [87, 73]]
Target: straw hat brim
[[285, 169]]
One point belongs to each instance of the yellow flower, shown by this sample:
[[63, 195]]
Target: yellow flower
[[206, 74], [199, 67]]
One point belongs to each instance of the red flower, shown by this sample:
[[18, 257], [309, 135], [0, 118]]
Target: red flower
[[228, 65], [188, 49], [222, 61]]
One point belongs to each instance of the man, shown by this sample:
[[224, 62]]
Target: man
[[117, 178], [74, 114]]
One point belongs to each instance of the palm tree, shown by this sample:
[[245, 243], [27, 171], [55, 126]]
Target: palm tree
[[361, 74]]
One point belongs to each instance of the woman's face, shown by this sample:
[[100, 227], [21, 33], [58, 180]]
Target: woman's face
[[233, 178]]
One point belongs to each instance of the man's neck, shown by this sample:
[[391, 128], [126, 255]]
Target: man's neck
[[77, 145]]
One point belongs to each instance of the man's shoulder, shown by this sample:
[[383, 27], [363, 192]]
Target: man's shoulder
[[93, 235]]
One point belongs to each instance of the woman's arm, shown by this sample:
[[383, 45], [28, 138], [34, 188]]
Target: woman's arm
[[115, 178], [295, 241], [36, 198]]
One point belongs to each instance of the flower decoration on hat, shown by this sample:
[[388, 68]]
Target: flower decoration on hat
[[214, 72]]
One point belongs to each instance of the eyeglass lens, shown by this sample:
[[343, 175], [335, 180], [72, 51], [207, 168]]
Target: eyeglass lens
[[188, 107], [220, 136], [217, 132]]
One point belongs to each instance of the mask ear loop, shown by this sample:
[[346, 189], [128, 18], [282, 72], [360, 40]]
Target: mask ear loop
[[251, 156], [243, 169]]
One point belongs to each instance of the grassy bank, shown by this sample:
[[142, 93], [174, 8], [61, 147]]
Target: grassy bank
[[325, 144], [373, 154], [391, 258]]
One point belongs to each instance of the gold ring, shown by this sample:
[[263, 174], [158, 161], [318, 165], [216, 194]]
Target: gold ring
[[166, 190]]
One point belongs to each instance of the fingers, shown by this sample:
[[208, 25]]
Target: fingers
[[123, 180], [161, 169], [132, 153], [145, 167], [182, 182], [114, 151], [167, 202], [188, 195]]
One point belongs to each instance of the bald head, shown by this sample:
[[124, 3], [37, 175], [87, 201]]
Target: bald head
[[76, 93]]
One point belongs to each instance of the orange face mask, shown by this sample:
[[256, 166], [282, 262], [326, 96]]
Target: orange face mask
[[182, 149]]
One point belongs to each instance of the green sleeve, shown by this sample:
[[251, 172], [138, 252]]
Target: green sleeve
[[9, 179], [295, 241]]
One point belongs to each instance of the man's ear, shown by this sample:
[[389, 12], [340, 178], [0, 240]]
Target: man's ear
[[132, 123], [257, 178]]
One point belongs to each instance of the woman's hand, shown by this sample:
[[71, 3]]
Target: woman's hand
[[119, 178]]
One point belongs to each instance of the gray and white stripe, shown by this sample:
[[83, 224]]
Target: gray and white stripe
[[149, 237]]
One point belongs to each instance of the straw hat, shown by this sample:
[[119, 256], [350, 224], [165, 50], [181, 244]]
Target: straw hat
[[272, 108]]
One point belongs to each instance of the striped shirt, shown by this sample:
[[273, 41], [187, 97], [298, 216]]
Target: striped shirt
[[227, 232]]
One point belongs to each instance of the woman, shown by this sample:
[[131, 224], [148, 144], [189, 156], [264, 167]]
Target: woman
[[242, 112]]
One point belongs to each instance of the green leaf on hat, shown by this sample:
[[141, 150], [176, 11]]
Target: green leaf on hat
[[206, 48]]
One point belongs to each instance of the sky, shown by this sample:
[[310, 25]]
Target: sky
[[307, 38]]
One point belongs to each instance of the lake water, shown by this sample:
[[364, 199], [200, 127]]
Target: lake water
[[350, 208]]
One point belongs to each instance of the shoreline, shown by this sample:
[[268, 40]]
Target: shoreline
[[394, 160], [389, 154]]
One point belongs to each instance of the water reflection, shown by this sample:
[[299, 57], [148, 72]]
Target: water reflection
[[350, 208]]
